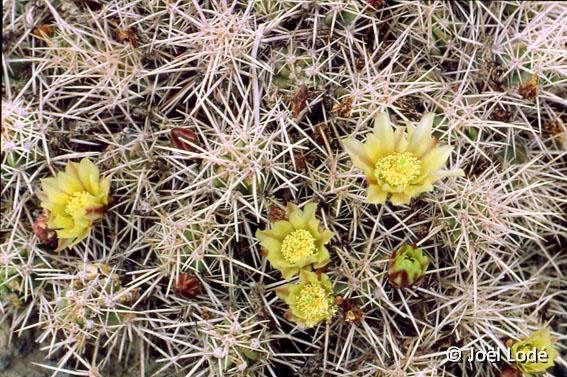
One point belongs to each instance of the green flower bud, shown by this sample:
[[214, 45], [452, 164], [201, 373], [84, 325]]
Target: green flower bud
[[407, 266]]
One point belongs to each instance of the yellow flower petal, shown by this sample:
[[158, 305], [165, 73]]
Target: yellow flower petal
[[296, 217], [89, 174], [384, 135], [324, 258], [269, 243], [415, 190], [541, 341], [279, 230], [309, 211], [435, 159], [370, 150], [401, 142], [376, 195], [296, 243], [68, 183], [311, 300], [53, 192], [359, 158], [289, 272], [104, 190], [420, 138], [59, 222], [399, 162], [400, 198], [312, 225], [325, 237]]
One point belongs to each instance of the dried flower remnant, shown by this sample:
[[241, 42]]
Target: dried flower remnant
[[528, 89], [275, 213], [44, 31], [539, 342], [376, 4], [343, 108], [407, 266], [296, 243], [299, 100], [400, 164], [127, 35], [74, 199], [352, 313], [46, 235], [311, 300]]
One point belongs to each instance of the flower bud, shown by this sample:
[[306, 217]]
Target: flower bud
[[407, 266], [184, 138], [188, 286]]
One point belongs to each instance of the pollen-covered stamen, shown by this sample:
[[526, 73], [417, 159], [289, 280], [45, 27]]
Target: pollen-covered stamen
[[78, 201], [298, 244], [398, 169], [315, 303]]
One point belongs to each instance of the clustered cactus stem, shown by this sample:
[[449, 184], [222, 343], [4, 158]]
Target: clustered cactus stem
[[233, 188]]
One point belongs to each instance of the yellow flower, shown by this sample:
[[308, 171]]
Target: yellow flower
[[296, 243], [540, 341], [311, 300], [75, 199], [400, 165]]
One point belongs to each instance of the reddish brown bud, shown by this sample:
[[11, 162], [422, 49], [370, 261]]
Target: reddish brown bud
[[376, 4], [47, 236], [184, 138], [188, 286]]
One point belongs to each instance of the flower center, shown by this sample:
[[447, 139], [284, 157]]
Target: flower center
[[408, 263], [298, 244], [398, 169], [313, 303], [77, 202]]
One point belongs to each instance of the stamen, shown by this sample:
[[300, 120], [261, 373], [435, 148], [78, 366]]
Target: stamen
[[314, 303], [298, 244], [77, 202], [398, 169]]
